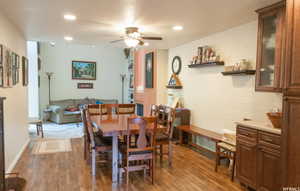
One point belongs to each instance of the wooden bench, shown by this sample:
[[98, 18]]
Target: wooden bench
[[193, 130]]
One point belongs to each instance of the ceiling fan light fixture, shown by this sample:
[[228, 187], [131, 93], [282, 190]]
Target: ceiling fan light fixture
[[131, 42]]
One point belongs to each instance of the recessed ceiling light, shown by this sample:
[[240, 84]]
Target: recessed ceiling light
[[70, 17], [68, 38], [146, 44], [177, 28]]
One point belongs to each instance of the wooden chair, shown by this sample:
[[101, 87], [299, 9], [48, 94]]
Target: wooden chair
[[226, 149], [126, 109], [165, 117], [154, 110], [86, 138], [97, 143], [94, 109], [39, 126], [142, 156]]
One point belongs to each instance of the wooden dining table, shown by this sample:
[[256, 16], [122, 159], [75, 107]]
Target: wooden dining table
[[114, 126]]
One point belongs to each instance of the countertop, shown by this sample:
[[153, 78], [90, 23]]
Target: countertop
[[259, 126]]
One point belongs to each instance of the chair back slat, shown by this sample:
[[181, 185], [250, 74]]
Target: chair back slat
[[142, 123], [108, 109], [126, 109], [93, 109]]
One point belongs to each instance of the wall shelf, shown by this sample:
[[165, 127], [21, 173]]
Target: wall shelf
[[242, 72], [220, 63], [174, 87]]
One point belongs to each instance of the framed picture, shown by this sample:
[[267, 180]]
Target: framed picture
[[7, 68], [131, 81], [1, 66], [15, 68], [25, 71], [149, 70], [39, 64], [83, 70], [85, 85]]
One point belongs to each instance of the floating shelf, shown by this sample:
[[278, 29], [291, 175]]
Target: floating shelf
[[242, 72], [174, 87], [221, 63]]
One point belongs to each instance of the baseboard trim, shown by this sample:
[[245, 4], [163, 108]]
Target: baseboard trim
[[15, 161]]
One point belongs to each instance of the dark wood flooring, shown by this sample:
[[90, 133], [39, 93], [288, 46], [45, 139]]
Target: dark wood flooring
[[69, 172]]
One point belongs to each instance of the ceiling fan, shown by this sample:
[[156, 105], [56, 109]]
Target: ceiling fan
[[133, 37]]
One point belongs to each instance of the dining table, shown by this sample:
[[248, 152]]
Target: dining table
[[114, 126]]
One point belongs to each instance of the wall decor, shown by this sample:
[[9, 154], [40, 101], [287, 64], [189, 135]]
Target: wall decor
[[24, 71], [1, 65], [149, 70], [207, 56], [131, 81], [85, 85], [7, 68], [83, 70], [39, 64], [176, 65], [15, 68]]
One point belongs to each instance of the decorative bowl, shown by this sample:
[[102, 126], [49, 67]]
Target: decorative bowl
[[275, 118]]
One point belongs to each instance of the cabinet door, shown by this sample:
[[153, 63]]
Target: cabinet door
[[290, 142], [268, 169], [269, 48], [292, 58], [246, 163]]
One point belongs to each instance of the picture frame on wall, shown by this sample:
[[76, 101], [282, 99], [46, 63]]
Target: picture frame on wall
[[7, 68], [131, 81], [85, 85], [84, 70], [25, 71], [149, 70], [1, 66]]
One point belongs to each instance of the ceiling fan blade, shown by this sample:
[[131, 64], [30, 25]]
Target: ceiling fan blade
[[114, 41], [151, 38]]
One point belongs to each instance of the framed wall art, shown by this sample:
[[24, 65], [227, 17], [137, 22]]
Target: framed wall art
[[7, 68], [85, 85], [83, 70], [1, 65], [24, 71], [149, 70]]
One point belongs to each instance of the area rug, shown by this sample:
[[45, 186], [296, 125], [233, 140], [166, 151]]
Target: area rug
[[51, 146], [56, 131]]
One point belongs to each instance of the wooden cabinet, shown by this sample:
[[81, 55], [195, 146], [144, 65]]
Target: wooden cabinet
[[270, 48], [258, 159], [246, 163]]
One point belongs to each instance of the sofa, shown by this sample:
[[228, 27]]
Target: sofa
[[68, 110]]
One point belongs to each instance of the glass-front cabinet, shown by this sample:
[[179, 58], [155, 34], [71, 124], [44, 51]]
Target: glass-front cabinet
[[270, 48]]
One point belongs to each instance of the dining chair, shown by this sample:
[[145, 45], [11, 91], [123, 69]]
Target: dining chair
[[142, 156], [126, 109], [108, 109], [165, 117], [226, 149], [97, 143], [153, 110], [86, 138], [93, 109]]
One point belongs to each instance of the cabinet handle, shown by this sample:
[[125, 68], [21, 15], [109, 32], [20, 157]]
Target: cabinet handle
[[268, 139]]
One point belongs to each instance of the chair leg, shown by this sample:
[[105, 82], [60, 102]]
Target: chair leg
[[127, 172], [152, 169], [93, 162], [170, 153], [42, 130], [37, 130], [161, 152], [217, 159], [233, 168]]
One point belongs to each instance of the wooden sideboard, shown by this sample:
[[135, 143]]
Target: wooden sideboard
[[258, 159]]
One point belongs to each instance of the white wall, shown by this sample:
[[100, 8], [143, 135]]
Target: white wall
[[111, 63], [15, 110], [33, 91], [217, 101]]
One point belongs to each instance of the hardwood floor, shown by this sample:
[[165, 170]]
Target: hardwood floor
[[69, 172]]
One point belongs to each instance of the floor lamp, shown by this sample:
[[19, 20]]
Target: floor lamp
[[123, 76], [49, 74]]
